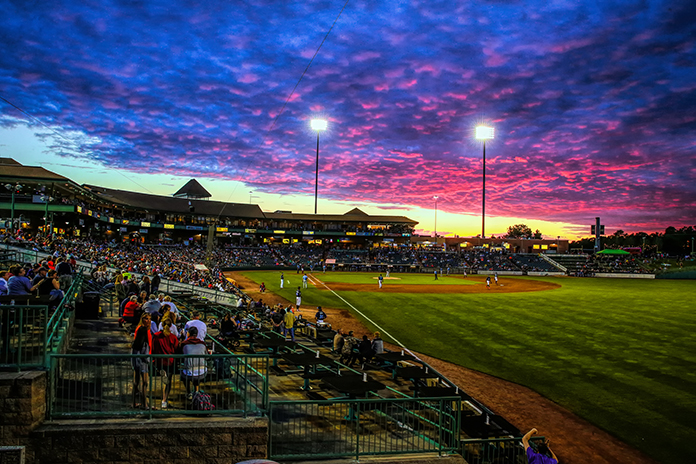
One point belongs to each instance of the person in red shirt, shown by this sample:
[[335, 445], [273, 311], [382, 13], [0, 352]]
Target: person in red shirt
[[165, 342], [131, 310]]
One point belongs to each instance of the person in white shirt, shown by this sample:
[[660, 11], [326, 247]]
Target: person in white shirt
[[196, 322]]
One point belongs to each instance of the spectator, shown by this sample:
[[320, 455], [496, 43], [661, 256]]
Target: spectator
[[64, 273], [278, 320], [542, 455], [349, 343], [145, 285], [155, 282], [4, 275], [152, 306], [167, 315], [131, 310], [167, 299], [195, 322], [194, 368], [377, 344], [338, 341], [120, 288], [289, 320], [228, 327], [18, 283], [364, 353], [142, 298], [43, 281], [165, 342], [55, 294], [142, 341]]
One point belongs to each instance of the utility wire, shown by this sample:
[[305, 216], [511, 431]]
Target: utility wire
[[275, 120], [33, 118]]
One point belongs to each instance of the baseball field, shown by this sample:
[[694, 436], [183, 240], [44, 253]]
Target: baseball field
[[619, 353]]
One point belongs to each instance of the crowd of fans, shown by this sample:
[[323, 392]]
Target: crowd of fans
[[196, 266]]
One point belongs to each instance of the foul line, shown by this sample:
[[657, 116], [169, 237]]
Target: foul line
[[370, 320]]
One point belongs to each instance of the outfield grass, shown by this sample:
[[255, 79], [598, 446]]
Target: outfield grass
[[620, 353]]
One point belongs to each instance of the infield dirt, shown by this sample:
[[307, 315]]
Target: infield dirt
[[573, 439], [506, 286]]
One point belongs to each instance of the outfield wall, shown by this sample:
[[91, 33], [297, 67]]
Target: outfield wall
[[624, 276], [500, 273], [544, 274]]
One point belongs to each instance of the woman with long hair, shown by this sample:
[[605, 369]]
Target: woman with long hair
[[120, 288], [145, 285], [142, 343], [168, 315], [165, 342]]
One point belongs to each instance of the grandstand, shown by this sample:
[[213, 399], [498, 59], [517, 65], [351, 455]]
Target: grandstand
[[91, 377], [533, 263]]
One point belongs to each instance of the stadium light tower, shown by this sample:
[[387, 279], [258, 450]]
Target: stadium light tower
[[484, 133], [435, 198], [318, 125]]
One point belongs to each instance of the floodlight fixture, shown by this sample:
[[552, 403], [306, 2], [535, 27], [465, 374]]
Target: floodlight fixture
[[319, 124], [484, 133]]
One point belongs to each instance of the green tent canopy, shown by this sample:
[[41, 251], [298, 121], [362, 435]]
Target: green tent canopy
[[613, 252]]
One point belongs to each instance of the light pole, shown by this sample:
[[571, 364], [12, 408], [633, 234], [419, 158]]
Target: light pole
[[435, 198], [14, 189], [250, 192], [46, 199], [318, 125], [484, 133]]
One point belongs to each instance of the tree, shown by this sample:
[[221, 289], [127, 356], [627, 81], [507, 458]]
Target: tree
[[519, 231], [537, 234]]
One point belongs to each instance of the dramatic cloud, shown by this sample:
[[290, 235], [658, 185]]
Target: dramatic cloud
[[593, 103]]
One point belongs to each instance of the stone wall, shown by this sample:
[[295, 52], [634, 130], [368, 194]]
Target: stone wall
[[185, 440], [22, 404], [173, 440]]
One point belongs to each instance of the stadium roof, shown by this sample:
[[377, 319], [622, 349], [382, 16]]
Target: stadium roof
[[10, 168], [163, 203], [192, 189], [354, 215]]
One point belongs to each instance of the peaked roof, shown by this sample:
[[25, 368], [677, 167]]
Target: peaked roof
[[356, 212], [192, 189], [10, 161]]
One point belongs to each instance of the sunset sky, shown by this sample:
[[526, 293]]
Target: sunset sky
[[593, 104]]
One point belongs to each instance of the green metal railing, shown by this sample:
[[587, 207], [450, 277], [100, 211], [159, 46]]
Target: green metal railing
[[59, 322], [22, 336], [360, 427], [29, 333], [495, 450], [102, 385]]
